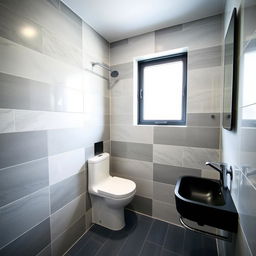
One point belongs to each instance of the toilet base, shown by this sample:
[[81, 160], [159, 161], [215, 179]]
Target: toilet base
[[109, 213]]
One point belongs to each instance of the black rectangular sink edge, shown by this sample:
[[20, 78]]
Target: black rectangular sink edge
[[222, 215]]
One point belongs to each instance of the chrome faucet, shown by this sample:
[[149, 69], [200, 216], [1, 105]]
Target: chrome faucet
[[223, 170]]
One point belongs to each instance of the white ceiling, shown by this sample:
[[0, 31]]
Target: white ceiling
[[119, 19]]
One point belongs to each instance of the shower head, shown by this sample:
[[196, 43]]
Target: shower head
[[114, 73]]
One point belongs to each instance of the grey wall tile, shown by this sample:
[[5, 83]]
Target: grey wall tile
[[125, 70], [132, 168], [23, 179], [203, 119], [204, 58], [141, 204], [18, 29], [16, 148], [187, 136], [164, 211], [119, 43], [136, 151], [66, 216], [163, 192], [20, 216], [203, 137], [170, 135], [22, 93], [65, 191], [169, 174], [67, 238], [30, 243]]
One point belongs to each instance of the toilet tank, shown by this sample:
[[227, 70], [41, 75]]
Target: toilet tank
[[98, 170]]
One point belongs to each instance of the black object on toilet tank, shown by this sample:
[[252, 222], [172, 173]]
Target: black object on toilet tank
[[98, 148]]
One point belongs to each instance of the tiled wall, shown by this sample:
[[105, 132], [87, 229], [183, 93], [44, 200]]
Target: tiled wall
[[53, 108], [238, 146], [155, 156]]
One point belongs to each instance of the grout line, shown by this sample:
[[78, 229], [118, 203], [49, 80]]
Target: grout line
[[26, 196], [145, 239], [11, 166], [86, 231], [24, 233]]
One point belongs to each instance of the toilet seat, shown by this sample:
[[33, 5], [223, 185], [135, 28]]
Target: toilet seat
[[116, 188]]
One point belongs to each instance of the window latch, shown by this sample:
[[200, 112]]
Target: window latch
[[141, 93]]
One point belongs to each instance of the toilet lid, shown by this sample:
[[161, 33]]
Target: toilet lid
[[116, 187]]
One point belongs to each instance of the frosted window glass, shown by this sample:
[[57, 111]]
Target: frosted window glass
[[162, 94]]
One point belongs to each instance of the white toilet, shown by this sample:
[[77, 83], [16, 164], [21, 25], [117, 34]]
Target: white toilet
[[109, 195]]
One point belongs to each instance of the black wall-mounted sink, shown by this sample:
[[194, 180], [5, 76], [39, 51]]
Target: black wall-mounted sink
[[206, 202]]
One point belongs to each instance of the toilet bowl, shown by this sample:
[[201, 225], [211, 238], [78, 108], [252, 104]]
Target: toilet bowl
[[109, 195]]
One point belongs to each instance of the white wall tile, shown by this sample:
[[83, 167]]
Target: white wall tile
[[196, 157], [167, 154], [26, 120], [204, 90], [131, 133], [24, 62], [6, 120], [136, 46], [64, 165], [123, 87]]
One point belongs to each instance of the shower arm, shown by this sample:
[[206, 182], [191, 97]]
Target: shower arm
[[101, 65]]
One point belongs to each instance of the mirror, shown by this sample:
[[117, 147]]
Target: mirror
[[229, 73]]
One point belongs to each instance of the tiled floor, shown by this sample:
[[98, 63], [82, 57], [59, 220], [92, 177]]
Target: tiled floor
[[143, 236]]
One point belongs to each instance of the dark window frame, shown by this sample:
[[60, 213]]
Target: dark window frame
[[155, 61]]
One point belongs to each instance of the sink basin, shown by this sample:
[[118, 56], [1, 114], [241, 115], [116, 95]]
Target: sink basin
[[205, 202], [202, 190]]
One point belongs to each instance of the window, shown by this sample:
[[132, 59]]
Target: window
[[162, 90]]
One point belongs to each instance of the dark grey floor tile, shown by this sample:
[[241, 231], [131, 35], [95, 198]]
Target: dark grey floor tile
[[134, 243], [175, 239], [23, 214], [141, 204], [157, 232], [150, 249], [67, 238], [169, 253], [115, 242], [17, 148], [199, 245], [80, 243], [21, 180], [99, 233], [65, 191], [90, 248], [30, 243], [47, 251]]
